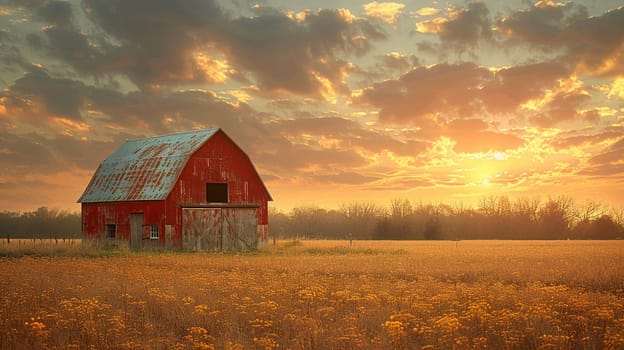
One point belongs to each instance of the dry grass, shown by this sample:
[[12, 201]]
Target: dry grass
[[321, 295]]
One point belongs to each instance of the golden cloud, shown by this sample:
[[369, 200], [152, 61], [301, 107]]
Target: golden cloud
[[617, 88], [215, 70], [385, 11], [427, 11], [432, 26]]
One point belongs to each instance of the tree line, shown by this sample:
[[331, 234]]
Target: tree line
[[495, 217], [41, 223]]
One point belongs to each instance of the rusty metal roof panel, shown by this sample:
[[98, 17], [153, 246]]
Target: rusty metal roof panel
[[144, 169]]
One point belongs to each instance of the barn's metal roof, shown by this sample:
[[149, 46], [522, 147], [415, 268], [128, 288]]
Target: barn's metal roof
[[144, 169]]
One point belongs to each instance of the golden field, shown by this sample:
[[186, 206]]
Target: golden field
[[317, 295]]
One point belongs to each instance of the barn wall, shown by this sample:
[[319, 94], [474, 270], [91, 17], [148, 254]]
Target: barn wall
[[95, 216]]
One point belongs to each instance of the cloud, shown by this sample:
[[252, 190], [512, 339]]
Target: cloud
[[59, 107], [21, 155], [466, 136], [298, 55], [403, 183], [584, 140], [41, 100], [346, 178], [68, 123], [385, 11], [56, 12], [563, 104], [467, 25], [306, 160], [11, 59], [514, 86], [594, 44], [427, 11], [397, 61], [159, 43], [617, 88], [156, 40], [471, 136], [62, 37], [544, 93], [344, 134], [35, 153], [162, 40], [36, 95], [542, 24], [597, 43], [608, 163], [463, 28], [425, 92], [613, 154]]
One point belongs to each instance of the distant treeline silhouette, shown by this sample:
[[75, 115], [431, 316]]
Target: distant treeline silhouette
[[493, 218], [496, 217], [41, 223]]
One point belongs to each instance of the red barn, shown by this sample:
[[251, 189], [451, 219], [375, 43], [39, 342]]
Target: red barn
[[195, 191]]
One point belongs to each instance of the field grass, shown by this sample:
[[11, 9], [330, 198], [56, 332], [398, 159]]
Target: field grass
[[317, 295]]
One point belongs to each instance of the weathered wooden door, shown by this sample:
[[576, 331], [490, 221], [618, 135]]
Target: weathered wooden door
[[219, 229], [239, 229], [136, 230], [201, 229]]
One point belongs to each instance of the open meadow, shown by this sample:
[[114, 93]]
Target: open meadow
[[316, 295]]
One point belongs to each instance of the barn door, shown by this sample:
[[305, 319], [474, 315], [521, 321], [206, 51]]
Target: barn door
[[219, 229], [136, 230], [239, 229], [201, 229]]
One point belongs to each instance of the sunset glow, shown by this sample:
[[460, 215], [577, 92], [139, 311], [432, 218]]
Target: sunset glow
[[426, 100]]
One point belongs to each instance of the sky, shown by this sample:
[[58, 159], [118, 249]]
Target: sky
[[333, 101]]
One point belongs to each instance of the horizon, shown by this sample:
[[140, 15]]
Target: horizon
[[434, 102], [600, 206]]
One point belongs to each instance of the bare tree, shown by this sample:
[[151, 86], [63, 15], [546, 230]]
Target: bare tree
[[555, 217], [588, 211], [361, 218], [401, 208], [618, 215], [495, 206]]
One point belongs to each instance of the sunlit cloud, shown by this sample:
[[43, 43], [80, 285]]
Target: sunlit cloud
[[243, 95], [432, 26], [593, 44], [297, 16], [617, 88], [385, 11], [395, 60], [69, 126], [427, 11], [6, 11], [463, 27], [216, 71]]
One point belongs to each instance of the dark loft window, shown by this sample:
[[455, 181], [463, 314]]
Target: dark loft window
[[111, 230], [216, 193]]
